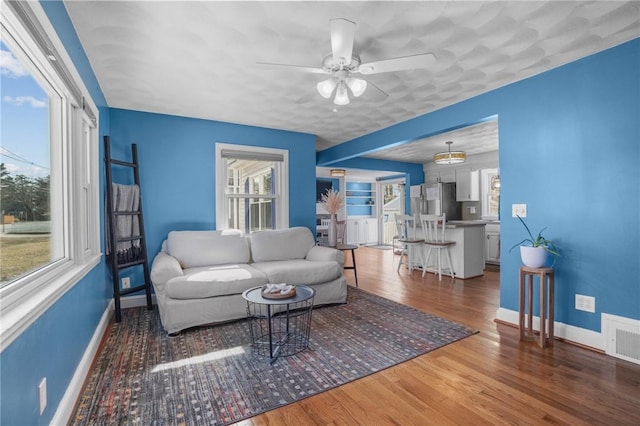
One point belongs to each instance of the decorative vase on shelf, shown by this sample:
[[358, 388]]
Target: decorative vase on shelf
[[533, 257], [332, 234]]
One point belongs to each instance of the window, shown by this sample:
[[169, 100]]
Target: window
[[251, 188], [29, 110], [490, 194], [49, 236]]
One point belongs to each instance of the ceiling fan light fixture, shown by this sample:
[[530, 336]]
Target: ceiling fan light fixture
[[450, 157], [326, 87], [342, 97], [357, 85]]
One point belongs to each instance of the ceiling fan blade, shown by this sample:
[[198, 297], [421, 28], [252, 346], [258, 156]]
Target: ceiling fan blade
[[300, 68], [377, 94], [307, 97], [423, 60], [342, 35]]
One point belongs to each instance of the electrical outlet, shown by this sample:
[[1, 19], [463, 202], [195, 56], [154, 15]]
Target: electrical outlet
[[42, 392], [585, 303], [518, 210], [126, 282]]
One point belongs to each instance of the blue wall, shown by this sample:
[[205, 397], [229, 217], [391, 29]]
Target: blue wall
[[177, 168], [54, 344], [577, 129], [569, 149]]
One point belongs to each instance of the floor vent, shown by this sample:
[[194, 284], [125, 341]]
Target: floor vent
[[622, 337]]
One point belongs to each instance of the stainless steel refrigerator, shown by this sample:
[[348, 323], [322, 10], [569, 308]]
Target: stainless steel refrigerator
[[436, 198]]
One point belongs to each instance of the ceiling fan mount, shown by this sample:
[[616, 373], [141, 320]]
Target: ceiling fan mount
[[335, 64], [331, 65]]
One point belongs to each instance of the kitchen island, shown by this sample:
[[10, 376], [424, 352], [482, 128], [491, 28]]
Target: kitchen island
[[467, 254]]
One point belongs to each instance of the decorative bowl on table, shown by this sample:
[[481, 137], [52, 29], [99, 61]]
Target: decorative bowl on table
[[278, 291]]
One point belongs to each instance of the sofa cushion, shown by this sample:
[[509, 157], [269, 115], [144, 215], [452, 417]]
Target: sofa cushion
[[300, 271], [208, 248], [281, 244], [211, 281]]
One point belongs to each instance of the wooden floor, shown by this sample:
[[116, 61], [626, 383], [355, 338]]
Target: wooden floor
[[488, 378]]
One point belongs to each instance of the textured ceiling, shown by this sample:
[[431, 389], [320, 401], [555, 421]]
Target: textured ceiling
[[476, 139], [198, 59]]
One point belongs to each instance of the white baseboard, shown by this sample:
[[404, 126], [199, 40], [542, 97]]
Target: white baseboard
[[135, 301], [574, 334], [65, 408]]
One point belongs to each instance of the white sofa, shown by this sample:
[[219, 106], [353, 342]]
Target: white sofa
[[199, 276]]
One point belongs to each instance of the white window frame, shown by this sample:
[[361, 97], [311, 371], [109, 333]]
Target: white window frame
[[281, 184], [485, 192], [75, 152]]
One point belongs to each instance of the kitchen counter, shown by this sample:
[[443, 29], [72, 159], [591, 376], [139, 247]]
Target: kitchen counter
[[461, 223], [452, 224]]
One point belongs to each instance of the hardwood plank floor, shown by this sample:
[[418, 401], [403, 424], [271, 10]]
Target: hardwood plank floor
[[488, 378]]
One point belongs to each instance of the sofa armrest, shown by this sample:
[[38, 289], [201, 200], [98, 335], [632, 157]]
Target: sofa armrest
[[321, 253], [163, 269]]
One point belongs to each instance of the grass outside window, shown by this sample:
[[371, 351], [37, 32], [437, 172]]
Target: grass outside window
[[20, 254]]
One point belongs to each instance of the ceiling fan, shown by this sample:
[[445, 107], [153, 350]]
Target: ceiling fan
[[342, 63]]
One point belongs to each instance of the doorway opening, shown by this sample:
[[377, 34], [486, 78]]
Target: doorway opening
[[392, 203]]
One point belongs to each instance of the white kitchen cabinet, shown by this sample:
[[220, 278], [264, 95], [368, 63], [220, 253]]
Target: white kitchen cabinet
[[372, 231], [492, 243], [352, 232], [362, 231], [467, 185]]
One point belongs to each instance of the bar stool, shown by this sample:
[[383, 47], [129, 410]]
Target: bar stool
[[434, 227], [406, 226], [546, 303]]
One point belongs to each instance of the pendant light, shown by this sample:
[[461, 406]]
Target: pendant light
[[450, 157]]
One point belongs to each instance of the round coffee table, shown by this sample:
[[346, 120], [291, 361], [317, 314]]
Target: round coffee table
[[279, 327]]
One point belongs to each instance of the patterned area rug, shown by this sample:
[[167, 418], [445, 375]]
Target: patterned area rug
[[209, 375]]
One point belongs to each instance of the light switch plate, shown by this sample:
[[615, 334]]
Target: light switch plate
[[518, 210]]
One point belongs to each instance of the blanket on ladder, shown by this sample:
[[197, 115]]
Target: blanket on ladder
[[126, 198]]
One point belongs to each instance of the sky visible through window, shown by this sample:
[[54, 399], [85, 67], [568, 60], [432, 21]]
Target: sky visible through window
[[24, 143], [25, 200]]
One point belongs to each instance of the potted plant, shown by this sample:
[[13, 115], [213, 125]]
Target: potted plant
[[332, 202], [538, 249]]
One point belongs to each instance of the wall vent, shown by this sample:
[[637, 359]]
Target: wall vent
[[622, 337]]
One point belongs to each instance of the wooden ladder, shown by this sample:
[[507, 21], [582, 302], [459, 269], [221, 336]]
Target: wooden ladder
[[116, 264]]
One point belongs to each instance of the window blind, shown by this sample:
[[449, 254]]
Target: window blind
[[251, 155]]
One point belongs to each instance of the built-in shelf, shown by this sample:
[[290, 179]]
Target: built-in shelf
[[360, 199]]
